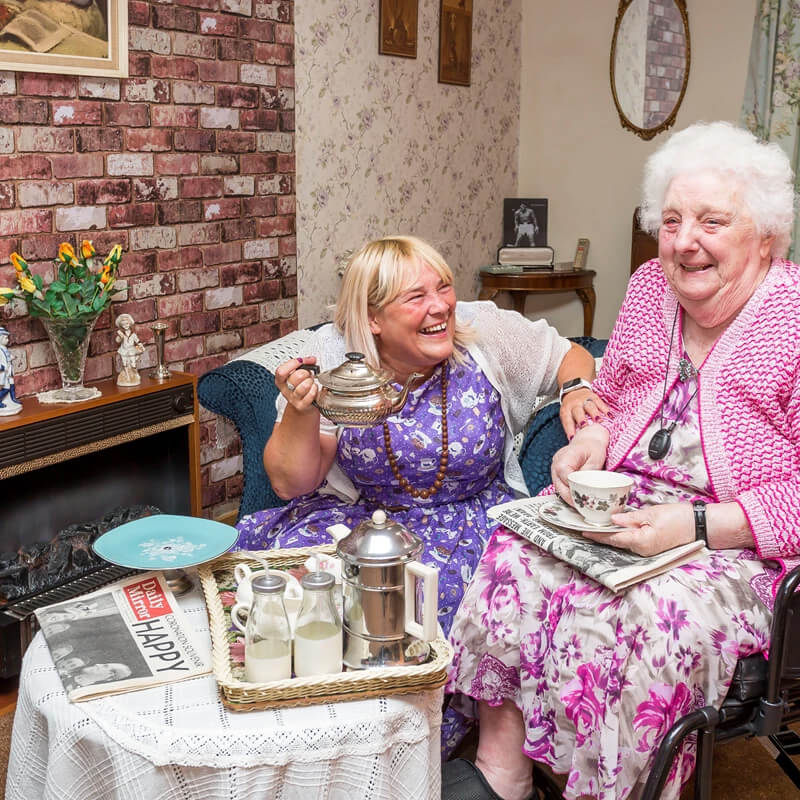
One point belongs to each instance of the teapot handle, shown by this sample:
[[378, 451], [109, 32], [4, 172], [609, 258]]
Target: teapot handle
[[308, 368], [430, 603]]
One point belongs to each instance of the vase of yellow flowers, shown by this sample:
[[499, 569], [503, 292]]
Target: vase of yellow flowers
[[68, 307]]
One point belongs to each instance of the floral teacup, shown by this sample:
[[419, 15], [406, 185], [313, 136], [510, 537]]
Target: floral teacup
[[599, 493]]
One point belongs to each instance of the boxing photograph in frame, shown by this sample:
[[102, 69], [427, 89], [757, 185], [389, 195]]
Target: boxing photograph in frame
[[524, 222]]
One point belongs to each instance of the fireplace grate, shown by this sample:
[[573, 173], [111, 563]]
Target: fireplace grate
[[18, 622]]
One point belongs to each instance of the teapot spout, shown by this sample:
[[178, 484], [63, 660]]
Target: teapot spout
[[400, 398]]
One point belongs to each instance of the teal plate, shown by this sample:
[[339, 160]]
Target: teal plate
[[165, 541]]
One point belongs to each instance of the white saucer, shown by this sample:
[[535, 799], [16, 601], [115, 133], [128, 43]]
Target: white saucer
[[557, 512]]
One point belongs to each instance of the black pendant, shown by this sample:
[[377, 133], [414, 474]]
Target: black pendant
[[660, 444]]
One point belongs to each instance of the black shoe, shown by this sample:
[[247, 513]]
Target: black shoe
[[462, 780]]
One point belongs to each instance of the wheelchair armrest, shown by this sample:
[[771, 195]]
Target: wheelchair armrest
[[784, 657], [245, 392]]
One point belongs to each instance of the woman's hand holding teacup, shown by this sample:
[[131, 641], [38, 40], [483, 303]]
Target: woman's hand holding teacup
[[650, 530], [587, 450], [296, 384]]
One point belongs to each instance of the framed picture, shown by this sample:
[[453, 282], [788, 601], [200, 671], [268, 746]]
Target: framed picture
[[455, 42], [524, 222], [76, 38], [398, 28]]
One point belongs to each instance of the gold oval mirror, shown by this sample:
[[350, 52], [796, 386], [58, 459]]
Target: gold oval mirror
[[650, 56]]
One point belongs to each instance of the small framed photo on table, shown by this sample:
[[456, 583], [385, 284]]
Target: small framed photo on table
[[524, 222]]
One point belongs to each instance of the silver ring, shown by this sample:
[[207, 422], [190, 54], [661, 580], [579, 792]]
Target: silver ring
[[289, 386], [587, 400]]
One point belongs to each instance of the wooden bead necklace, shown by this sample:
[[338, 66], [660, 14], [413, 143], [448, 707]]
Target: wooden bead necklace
[[442, 471]]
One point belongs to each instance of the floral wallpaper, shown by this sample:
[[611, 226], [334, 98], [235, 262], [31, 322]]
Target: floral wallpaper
[[383, 148]]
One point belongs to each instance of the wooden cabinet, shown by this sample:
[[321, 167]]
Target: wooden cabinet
[[70, 463]]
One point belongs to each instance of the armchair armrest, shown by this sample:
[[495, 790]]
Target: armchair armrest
[[245, 392], [545, 434]]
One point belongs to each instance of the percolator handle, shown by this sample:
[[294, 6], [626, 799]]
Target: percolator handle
[[430, 601]]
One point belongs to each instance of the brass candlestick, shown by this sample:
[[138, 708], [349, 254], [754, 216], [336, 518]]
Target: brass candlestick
[[160, 373]]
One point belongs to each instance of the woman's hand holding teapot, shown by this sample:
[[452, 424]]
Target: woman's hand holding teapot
[[295, 381]]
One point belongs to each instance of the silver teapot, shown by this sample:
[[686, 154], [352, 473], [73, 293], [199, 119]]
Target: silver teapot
[[379, 571], [356, 395]]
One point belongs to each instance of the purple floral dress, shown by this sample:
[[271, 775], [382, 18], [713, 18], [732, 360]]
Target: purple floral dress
[[600, 677], [452, 523]]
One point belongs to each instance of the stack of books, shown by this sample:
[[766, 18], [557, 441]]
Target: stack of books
[[526, 257]]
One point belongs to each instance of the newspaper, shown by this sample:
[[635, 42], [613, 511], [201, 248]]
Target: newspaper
[[614, 568], [126, 636]]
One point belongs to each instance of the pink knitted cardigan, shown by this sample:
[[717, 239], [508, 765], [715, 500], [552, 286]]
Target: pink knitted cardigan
[[749, 396]]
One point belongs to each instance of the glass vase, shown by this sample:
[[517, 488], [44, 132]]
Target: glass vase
[[69, 338]]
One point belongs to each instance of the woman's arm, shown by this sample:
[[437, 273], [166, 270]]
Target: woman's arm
[[578, 404], [297, 455], [653, 529]]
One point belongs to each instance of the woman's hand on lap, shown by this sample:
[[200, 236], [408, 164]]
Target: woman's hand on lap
[[651, 530]]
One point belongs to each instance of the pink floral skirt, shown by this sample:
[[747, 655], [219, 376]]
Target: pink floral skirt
[[600, 677]]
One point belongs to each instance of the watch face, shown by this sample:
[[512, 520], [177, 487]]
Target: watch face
[[570, 383]]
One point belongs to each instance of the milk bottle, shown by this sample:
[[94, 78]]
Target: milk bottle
[[318, 631], [268, 638]]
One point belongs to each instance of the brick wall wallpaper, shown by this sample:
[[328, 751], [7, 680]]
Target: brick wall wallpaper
[[189, 164]]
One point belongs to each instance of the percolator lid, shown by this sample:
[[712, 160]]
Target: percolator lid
[[379, 541]]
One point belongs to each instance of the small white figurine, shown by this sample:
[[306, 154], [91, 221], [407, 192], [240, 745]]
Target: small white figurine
[[8, 401], [129, 350]]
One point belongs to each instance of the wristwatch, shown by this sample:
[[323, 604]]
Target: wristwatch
[[700, 529], [573, 384]]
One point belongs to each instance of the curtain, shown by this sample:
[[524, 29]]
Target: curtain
[[771, 107]]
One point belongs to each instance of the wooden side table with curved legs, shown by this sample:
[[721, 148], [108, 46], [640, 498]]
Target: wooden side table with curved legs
[[520, 284]]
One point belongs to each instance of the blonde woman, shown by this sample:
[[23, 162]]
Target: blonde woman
[[447, 456]]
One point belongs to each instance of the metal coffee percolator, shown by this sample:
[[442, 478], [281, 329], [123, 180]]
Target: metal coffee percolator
[[379, 569]]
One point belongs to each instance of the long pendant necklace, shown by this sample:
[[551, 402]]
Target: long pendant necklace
[[661, 440], [442, 471]]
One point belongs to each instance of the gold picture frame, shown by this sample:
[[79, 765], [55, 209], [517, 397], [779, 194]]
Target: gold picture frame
[[455, 42], [87, 39], [397, 27]]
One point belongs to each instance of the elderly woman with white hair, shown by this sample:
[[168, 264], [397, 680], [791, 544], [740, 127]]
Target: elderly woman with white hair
[[447, 456], [702, 379]]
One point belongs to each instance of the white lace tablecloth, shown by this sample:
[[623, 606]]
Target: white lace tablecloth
[[178, 742]]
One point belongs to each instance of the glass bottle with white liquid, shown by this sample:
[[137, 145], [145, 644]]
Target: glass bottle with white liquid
[[318, 631], [268, 637]]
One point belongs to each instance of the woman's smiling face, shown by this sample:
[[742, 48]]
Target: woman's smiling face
[[414, 331], [710, 251]]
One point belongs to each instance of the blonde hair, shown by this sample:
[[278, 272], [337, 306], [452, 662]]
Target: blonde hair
[[375, 275]]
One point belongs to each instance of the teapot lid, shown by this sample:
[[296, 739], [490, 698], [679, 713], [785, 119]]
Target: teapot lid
[[354, 376], [379, 541]]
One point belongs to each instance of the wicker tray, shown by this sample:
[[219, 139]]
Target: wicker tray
[[239, 695]]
